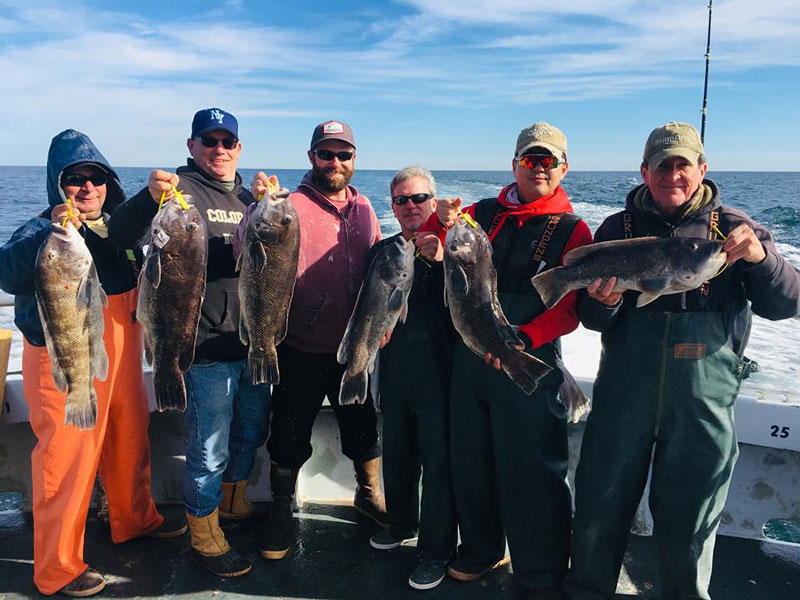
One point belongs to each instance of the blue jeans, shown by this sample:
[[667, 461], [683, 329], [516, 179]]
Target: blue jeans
[[227, 420]]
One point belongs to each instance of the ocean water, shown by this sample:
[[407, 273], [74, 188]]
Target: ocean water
[[772, 199]]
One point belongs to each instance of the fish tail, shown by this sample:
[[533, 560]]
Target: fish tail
[[353, 389], [264, 367], [82, 415], [525, 370], [551, 286], [169, 390]]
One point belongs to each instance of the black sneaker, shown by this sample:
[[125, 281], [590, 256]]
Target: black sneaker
[[279, 532], [428, 574], [386, 539], [170, 528]]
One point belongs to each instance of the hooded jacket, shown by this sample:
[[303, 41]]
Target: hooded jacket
[[770, 288], [116, 268], [218, 329]]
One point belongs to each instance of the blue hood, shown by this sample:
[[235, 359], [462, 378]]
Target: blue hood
[[69, 148]]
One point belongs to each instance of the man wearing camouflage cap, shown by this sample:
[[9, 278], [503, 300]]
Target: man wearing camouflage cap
[[509, 450], [668, 379]]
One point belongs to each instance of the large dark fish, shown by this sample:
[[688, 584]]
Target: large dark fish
[[172, 285], [653, 266], [71, 301], [471, 294], [382, 301], [268, 269]]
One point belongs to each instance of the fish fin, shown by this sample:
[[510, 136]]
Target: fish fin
[[258, 256], [244, 335], [148, 352], [371, 367], [96, 279], [550, 286], [152, 268], [577, 254], [84, 296], [100, 362], [82, 415], [353, 389], [238, 266], [458, 281], [264, 366], [404, 312], [646, 298], [653, 285], [396, 300], [343, 353], [525, 370], [281, 334], [169, 390], [186, 357], [58, 373]]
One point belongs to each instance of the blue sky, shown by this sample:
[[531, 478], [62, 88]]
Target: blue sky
[[444, 83]]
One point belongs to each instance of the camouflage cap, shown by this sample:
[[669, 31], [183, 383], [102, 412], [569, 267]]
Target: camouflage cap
[[673, 139], [542, 135]]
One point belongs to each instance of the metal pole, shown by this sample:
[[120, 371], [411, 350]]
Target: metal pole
[[705, 85]]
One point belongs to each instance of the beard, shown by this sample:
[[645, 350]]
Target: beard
[[330, 179]]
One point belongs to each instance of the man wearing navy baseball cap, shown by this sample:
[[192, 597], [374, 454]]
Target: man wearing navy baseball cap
[[219, 456]]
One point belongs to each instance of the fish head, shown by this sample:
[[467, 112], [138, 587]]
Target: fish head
[[396, 263], [465, 243], [174, 226], [272, 219], [65, 251], [694, 261]]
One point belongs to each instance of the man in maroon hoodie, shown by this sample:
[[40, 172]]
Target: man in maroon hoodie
[[508, 450], [337, 228]]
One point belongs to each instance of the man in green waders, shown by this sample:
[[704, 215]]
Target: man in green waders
[[508, 450], [669, 376]]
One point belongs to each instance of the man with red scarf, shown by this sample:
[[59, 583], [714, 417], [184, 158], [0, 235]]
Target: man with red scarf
[[509, 450]]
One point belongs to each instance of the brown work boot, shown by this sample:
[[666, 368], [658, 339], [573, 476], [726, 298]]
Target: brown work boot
[[88, 583], [211, 550], [369, 500], [279, 533], [234, 505]]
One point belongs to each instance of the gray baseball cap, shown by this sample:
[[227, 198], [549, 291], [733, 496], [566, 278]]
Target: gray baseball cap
[[542, 135], [332, 130], [673, 139]]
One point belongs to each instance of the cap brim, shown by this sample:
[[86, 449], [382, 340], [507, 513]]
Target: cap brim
[[656, 159], [215, 128], [557, 152], [338, 139]]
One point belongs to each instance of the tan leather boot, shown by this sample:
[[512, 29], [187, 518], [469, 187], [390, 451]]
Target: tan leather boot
[[211, 550], [234, 505], [369, 500]]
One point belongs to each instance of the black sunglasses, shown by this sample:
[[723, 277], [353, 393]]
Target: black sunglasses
[[342, 155], [79, 180], [415, 198], [209, 141]]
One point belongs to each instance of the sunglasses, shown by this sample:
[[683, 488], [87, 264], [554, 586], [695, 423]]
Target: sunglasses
[[209, 141], [79, 180], [415, 198], [327, 155], [531, 161]]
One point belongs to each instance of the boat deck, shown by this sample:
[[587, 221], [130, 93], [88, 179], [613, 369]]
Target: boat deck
[[334, 561]]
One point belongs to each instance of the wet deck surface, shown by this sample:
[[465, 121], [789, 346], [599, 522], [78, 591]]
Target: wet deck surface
[[334, 560]]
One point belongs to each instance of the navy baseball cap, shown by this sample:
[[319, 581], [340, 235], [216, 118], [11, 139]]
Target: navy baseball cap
[[210, 119]]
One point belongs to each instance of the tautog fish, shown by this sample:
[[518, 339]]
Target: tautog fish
[[653, 266], [471, 295], [172, 285], [268, 270], [71, 300], [382, 301]]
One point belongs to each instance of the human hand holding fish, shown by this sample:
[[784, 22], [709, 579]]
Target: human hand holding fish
[[742, 243], [386, 338], [429, 246], [66, 212], [263, 184], [602, 290], [162, 184], [448, 211]]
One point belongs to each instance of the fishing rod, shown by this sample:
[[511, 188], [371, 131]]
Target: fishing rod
[[705, 85]]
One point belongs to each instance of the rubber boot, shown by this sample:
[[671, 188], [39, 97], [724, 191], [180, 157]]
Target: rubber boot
[[279, 532], [234, 505], [211, 550], [369, 500]]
